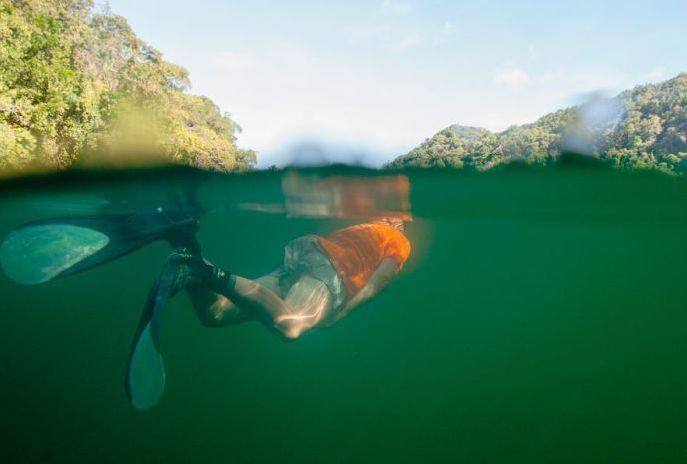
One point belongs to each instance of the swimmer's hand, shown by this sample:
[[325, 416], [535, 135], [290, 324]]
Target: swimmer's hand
[[380, 279]]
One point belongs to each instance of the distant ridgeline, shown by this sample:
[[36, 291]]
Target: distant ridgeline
[[77, 84], [641, 128]]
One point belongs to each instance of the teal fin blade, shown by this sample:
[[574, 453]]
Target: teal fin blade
[[146, 374], [145, 378], [37, 254], [50, 248]]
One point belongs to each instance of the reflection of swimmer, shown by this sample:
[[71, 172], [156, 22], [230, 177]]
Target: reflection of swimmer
[[320, 281], [345, 197]]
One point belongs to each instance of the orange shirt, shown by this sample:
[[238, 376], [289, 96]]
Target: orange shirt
[[356, 251]]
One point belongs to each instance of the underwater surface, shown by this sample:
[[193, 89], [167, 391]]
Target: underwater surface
[[541, 317]]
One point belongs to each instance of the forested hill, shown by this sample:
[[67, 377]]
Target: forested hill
[[641, 128], [77, 83]]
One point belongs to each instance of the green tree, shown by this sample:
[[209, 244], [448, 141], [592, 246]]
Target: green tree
[[646, 128], [78, 85]]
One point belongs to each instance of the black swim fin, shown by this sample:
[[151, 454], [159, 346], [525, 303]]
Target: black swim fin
[[46, 249], [145, 373]]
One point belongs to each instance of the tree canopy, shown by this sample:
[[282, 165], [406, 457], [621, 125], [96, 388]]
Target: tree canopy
[[77, 84], [641, 128]]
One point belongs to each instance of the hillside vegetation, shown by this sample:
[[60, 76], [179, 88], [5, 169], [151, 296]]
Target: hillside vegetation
[[77, 85], [641, 128]]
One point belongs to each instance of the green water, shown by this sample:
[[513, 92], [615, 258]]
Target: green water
[[542, 317]]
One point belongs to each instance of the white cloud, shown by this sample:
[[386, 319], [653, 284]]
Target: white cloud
[[289, 51], [512, 77], [596, 80], [406, 43], [293, 91], [443, 34], [365, 34], [232, 61], [396, 7], [549, 77], [532, 53], [656, 74]]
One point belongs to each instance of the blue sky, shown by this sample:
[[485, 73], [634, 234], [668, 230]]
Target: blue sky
[[382, 75]]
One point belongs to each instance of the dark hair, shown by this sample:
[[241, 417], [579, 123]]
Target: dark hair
[[392, 221]]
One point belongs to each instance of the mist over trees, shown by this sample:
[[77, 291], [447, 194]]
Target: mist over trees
[[641, 128], [77, 83]]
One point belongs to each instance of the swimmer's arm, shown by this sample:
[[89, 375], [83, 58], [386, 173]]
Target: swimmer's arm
[[383, 275]]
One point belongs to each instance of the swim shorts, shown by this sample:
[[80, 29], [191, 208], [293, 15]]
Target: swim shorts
[[305, 255]]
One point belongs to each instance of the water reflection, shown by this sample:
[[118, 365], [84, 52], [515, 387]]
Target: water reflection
[[341, 197]]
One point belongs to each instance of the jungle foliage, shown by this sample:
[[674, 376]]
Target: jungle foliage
[[78, 86], [641, 128]]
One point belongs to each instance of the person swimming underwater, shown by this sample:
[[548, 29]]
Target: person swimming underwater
[[321, 279]]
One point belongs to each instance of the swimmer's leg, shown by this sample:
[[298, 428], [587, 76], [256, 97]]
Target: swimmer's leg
[[307, 302], [221, 298]]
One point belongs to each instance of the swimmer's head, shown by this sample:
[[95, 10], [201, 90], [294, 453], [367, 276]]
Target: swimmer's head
[[397, 223]]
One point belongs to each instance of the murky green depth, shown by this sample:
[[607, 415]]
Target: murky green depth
[[542, 317]]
